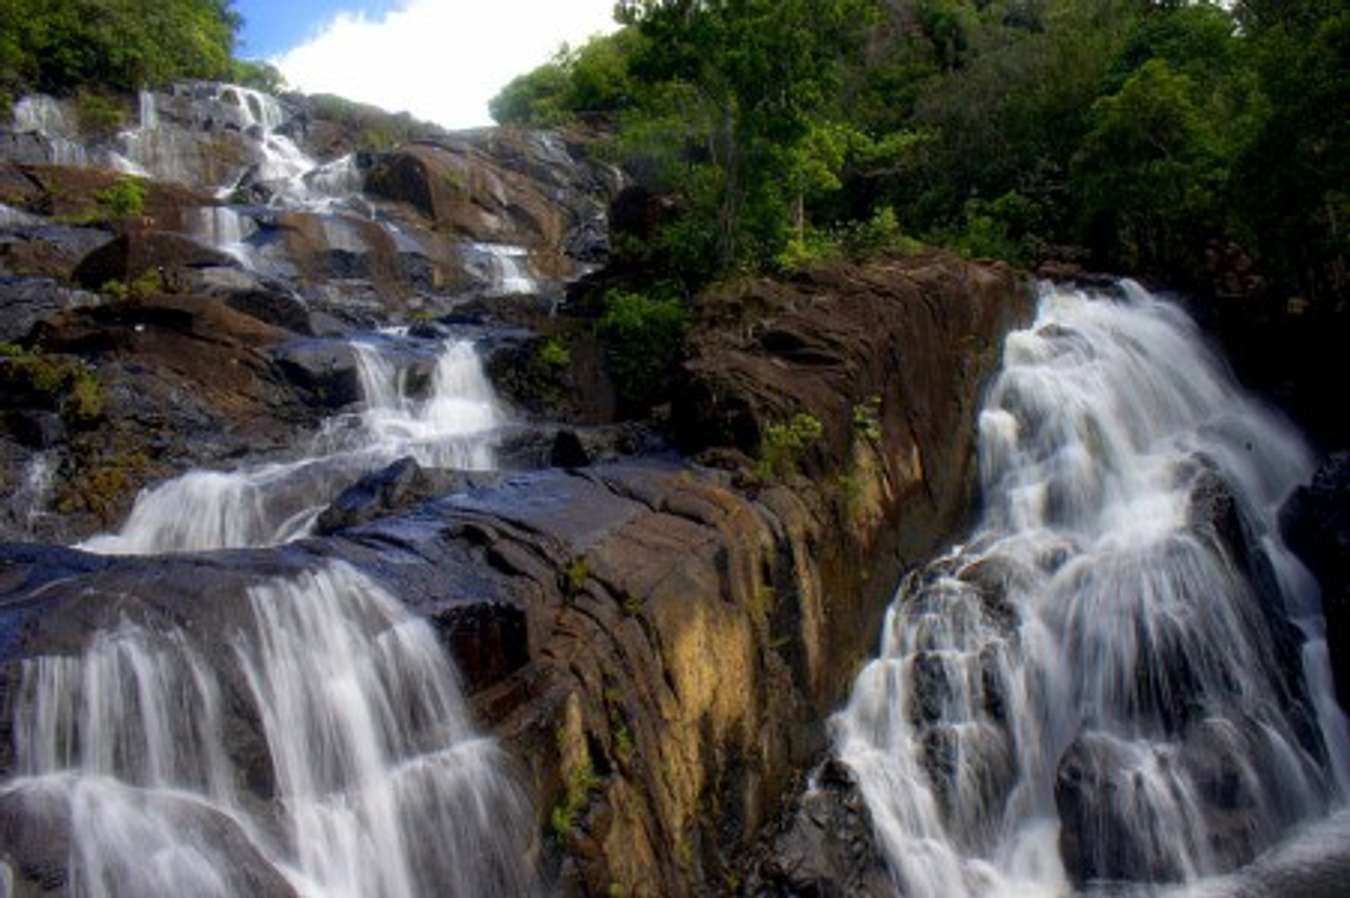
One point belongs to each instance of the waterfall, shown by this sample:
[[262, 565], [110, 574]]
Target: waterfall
[[1103, 683], [502, 268], [46, 116], [382, 787], [226, 229], [453, 426]]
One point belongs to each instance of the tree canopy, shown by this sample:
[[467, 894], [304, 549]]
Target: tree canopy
[[1147, 136], [60, 45]]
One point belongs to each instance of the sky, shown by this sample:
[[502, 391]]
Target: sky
[[441, 60]]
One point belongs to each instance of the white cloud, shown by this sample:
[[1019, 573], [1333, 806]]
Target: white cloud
[[441, 60]]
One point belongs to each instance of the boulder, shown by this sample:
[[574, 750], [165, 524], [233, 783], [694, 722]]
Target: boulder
[[392, 489], [324, 369], [26, 301], [823, 845], [1315, 522], [1100, 836], [516, 188], [133, 254], [48, 250], [36, 822]]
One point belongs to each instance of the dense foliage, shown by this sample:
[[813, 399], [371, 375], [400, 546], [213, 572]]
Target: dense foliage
[[58, 45], [1165, 138]]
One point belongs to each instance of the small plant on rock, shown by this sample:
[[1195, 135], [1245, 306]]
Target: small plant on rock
[[867, 419], [554, 354], [782, 446], [124, 199], [574, 576], [578, 783]]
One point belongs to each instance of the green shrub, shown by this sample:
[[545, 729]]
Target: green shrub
[[56, 382], [782, 446], [98, 116], [555, 354], [114, 290], [643, 342], [259, 75], [125, 199], [1004, 228]]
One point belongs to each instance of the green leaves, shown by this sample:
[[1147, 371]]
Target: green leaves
[[59, 45], [643, 340]]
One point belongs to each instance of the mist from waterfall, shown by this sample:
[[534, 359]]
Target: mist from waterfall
[[453, 425], [382, 788], [1123, 640]]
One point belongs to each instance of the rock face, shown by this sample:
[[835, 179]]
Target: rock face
[[657, 648], [1316, 525], [824, 846], [890, 363], [187, 295]]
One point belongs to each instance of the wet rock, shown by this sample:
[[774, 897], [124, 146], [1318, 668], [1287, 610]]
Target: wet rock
[[36, 821], [35, 428], [26, 301], [516, 188], [1101, 836], [133, 254], [278, 307], [1315, 522], [567, 451], [1217, 514], [395, 488], [47, 250], [822, 846], [325, 369]]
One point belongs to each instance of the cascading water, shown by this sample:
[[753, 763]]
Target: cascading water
[[382, 788], [454, 426], [501, 267], [45, 115], [1104, 683]]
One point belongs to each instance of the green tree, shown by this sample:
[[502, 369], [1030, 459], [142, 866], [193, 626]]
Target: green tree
[[1150, 171], [59, 45], [764, 68], [1293, 198]]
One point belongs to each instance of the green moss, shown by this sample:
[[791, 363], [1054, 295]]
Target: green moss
[[60, 383], [575, 575], [578, 783], [623, 744], [102, 486], [867, 419], [621, 738], [149, 283], [553, 353], [761, 604]]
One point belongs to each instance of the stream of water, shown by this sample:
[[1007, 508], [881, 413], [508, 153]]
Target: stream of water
[[136, 757], [1095, 675], [454, 425], [380, 786]]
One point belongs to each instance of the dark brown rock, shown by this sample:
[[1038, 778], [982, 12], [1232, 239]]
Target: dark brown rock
[[1315, 522], [133, 254]]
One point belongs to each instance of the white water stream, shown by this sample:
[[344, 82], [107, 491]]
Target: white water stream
[[453, 426], [382, 787], [1095, 613]]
